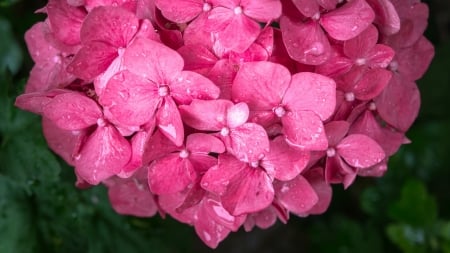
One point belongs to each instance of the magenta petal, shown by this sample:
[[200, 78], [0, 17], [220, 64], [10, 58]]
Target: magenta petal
[[414, 61], [380, 56], [103, 155], [158, 146], [285, 161], [361, 44], [360, 151], [218, 178], [262, 10], [72, 111], [197, 57], [317, 94], [296, 195], [204, 143], [372, 83], [113, 25], [248, 142], [305, 130], [153, 60], [92, 60], [386, 16], [261, 85], [210, 231], [138, 146], [307, 7], [190, 85], [399, 103], [170, 174], [65, 21], [214, 210], [129, 99], [336, 130], [349, 20], [169, 122], [305, 42], [252, 192], [208, 115]]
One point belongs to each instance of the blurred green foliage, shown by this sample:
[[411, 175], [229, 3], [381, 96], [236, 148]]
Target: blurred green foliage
[[406, 211]]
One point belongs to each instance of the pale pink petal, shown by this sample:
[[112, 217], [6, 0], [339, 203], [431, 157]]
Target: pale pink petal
[[261, 85], [108, 24], [305, 42], [103, 155], [323, 190], [296, 195], [285, 161], [360, 151], [399, 103], [180, 11], [153, 60], [190, 85], [208, 115], [237, 115], [311, 92], [248, 142], [129, 99], [72, 111], [169, 122], [170, 174], [349, 20], [204, 143], [305, 130]]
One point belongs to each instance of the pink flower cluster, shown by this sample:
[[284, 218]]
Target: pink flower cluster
[[226, 113]]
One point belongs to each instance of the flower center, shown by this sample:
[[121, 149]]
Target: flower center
[[316, 16], [184, 153], [349, 96], [372, 106], [393, 66], [254, 164], [225, 131], [163, 90], [317, 48], [331, 152], [238, 10], [279, 111], [101, 122], [360, 61], [206, 7]]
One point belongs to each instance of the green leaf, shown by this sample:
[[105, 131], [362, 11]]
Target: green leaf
[[415, 207], [407, 238], [10, 53]]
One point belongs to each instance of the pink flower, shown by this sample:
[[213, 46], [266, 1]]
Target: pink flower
[[301, 102]]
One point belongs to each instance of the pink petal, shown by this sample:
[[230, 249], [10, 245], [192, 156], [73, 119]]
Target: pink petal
[[65, 21], [170, 174], [296, 195], [72, 111], [336, 130], [131, 197], [252, 192], [305, 42], [208, 115], [157, 147], [125, 4], [169, 122], [262, 10], [338, 171], [237, 115], [36, 101], [248, 142], [261, 85], [197, 57], [307, 7], [399, 103], [204, 143], [129, 99], [360, 151], [385, 16], [317, 94], [348, 21], [63, 142], [380, 56], [190, 85], [209, 231], [103, 155], [285, 161], [202, 162], [414, 61], [153, 60], [217, 179], [108, 24], [360, 45], [212, 209], [180, 11], [37, 43], [323, 190], [92, 60], [305, 130], [372, 83]]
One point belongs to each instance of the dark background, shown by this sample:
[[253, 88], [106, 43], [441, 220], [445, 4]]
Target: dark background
[[408, 210]]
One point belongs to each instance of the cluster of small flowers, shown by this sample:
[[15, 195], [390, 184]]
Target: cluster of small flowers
[[226, 113]]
